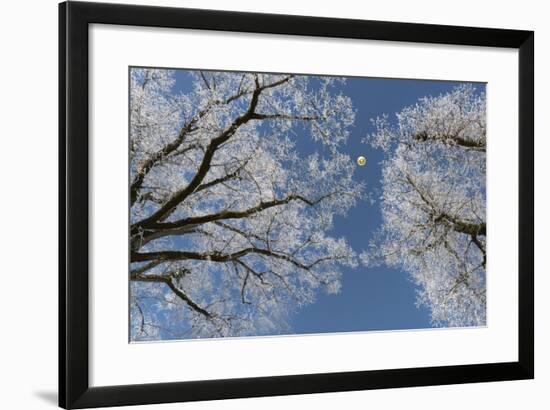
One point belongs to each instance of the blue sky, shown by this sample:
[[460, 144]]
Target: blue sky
[[371, 298]]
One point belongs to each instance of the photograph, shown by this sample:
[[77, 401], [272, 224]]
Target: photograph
[[278, 204]]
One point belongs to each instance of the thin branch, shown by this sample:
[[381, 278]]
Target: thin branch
[[168, 280]]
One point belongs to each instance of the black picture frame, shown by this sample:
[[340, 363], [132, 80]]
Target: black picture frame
[[74, 388]]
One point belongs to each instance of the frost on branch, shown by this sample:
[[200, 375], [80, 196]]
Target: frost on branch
[[229, 222], [433, 203]]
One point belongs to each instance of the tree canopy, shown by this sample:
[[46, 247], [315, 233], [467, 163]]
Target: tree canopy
[[433, 202], [229, 224]]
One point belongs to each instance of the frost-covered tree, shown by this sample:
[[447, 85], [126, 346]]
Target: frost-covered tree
[[229, 219], [433, 203]]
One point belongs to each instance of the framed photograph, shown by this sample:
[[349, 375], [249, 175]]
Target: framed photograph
[[255, 205]]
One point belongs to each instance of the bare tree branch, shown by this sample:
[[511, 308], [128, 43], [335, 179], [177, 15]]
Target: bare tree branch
[[168, 280]]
